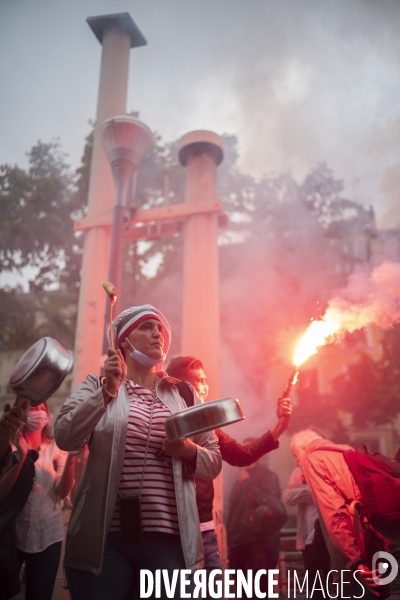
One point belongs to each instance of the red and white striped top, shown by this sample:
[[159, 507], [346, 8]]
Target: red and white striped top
[[159, 511]]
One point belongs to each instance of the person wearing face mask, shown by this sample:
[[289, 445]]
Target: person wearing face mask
[[191, 370], [135, 507], [39, 525]]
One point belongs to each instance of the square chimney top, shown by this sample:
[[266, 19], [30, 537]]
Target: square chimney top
[[123, 21]]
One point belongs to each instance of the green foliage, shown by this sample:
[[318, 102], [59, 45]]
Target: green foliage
[[37, 208], [36, 224], [80, 197], [317, 411], [25, 318], [366, 395], [370, 390], [17, 318]]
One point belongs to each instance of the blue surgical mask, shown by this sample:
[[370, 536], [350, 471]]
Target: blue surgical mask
[[143, 359]]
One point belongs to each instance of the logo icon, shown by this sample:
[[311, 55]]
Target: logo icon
[[381, 561]]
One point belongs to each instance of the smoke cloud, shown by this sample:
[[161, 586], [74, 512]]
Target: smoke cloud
[[366, 300], [372, 299]]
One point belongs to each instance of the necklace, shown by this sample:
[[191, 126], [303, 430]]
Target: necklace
[[152, 388]]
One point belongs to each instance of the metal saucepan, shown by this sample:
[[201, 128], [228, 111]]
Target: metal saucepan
[[203, 417], [41, 370]]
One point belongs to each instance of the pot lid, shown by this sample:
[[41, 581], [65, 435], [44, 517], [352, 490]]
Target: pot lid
[[27, 362]]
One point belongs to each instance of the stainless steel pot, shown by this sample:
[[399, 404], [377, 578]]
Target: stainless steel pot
[[203, 417], [41, 370]]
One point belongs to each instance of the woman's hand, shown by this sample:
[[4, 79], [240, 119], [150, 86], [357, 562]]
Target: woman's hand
[[115, 370], [184, 448]]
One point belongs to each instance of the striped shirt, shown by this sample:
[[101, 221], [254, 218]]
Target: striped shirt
[[159, 511]]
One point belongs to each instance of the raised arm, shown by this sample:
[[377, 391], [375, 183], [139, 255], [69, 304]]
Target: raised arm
[[243, 455], [79, 415]]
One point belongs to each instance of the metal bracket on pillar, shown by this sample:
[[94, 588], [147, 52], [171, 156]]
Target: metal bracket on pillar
[[154, 223]]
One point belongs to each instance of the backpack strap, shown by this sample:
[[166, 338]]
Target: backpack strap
[[185, 391], [348, 501], [354, 506]]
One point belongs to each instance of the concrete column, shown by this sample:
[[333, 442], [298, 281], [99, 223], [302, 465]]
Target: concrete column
[[117, 34], [200, 152]]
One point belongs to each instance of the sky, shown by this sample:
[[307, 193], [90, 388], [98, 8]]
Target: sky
[[297, 81]]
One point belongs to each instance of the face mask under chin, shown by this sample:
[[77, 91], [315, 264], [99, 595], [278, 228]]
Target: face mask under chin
[[143, 359]]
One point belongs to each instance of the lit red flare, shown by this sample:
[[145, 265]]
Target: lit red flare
[[317, 335]]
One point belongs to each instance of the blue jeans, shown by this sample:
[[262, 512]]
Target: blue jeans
[[212, 557], [119, 577]]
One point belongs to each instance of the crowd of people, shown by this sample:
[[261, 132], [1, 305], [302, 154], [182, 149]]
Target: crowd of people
[[146, 502]]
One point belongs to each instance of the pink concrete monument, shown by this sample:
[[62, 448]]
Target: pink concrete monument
[[117, 34], [201, 152]]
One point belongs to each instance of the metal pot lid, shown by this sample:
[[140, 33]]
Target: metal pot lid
[[203, 417], [28, 362]]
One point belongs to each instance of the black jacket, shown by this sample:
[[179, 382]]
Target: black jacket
[[256, 512], [237, 455]]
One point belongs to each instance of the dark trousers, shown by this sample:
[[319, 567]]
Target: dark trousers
[[40, 571], [120, 573], [316, 559], [257, 555]]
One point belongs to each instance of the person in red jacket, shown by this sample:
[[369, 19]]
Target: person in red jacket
[[191, 369]]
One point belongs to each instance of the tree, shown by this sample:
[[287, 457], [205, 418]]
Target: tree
[[17, 320], [37, 208], [370, 389], [286, 270]]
